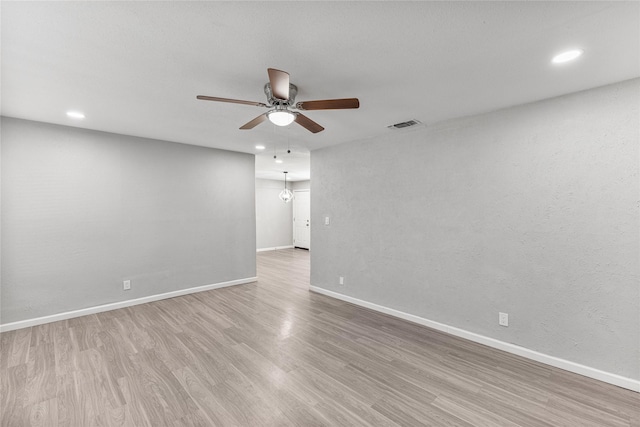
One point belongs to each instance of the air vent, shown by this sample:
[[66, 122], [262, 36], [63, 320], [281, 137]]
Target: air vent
[[404, 124]]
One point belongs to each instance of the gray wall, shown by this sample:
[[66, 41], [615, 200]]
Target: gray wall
[[274, 226], [532, 210], [84, 210], [301, 185]]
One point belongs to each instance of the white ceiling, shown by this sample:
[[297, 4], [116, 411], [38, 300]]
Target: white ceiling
[[136, 67]]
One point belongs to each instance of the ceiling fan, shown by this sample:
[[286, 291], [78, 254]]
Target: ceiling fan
[[281, 97]]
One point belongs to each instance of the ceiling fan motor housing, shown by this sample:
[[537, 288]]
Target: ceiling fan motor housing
[[273, 101]]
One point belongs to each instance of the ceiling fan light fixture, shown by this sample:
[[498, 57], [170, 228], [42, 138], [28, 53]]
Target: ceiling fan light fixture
[[281, 117], [281, 95]]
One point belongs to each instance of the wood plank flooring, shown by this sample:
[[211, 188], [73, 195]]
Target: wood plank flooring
[[272, 353]]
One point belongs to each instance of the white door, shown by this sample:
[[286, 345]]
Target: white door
[[302, 219]]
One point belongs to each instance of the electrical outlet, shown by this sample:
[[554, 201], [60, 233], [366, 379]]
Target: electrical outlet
[[503, 319], [327, 220], [126, 285], [341, 280]]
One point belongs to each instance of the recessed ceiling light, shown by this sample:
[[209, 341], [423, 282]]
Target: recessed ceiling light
[[567, 56], [75, 115], [278, 161], [259, 147]]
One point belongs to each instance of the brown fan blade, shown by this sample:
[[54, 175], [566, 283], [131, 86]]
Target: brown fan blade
[[279, 83], [329, 104], [232, 101], [255, 122], [307, 123]]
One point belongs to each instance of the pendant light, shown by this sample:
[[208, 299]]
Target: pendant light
[[286, 195]]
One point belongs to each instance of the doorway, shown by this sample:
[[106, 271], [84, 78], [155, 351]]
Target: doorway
[[302, 219]]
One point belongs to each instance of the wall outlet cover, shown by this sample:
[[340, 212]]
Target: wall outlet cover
[[503, 319]]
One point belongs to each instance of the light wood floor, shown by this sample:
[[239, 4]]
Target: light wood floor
[[273, 354]]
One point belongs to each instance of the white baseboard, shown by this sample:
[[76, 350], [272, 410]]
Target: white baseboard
[[275, 248], [567, 365], [120, 304]]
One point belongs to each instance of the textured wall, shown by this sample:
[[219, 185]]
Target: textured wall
[[301, 185], [84, 210], [531, 210], [274, 226]]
